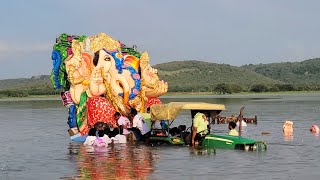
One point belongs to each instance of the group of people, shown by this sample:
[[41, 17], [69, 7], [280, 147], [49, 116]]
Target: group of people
[[136, 126], [101, 134], [288, 127], [139, 128], [201, 127]]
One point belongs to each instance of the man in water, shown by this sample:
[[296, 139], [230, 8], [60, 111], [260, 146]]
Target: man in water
[[199, 129], [233, 132], [147, 117], [139, 126], [123, 123]]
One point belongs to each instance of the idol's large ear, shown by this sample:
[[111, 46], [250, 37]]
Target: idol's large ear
[[87, 59]]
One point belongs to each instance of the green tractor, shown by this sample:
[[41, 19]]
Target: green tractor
[[168, 112]]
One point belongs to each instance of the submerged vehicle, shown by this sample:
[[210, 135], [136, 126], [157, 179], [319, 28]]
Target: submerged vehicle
[[168, 113]]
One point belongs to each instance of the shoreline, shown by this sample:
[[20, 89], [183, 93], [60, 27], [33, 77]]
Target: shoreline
[[180, 95], [239, 94], [32, 97]]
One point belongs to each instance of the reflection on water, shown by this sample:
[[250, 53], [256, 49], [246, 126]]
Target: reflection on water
[[315, 133], [119, 161], [201, 151], [124, 161]]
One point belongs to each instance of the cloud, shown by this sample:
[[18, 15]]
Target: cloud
[[8, 48], [4, 47]]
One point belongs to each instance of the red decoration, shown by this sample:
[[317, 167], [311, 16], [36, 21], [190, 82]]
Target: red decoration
[[153, 100], [100, 110]]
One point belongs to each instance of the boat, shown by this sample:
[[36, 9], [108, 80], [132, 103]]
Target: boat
[[169, 112]]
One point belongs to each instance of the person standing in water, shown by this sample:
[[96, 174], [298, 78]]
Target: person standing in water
[[232, 126], [139, 126], [91, 137], [123, 123], [199, 129]]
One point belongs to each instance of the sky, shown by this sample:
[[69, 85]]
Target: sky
[[235, 32]]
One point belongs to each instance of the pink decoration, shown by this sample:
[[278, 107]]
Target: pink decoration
[[66, 99], [135, 91], [69, 38], [136, 76], [69, 51]]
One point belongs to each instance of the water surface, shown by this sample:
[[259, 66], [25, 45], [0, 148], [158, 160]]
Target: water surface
[[35, 144]]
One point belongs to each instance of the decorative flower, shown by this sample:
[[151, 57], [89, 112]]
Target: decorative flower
[[69, 38], [153, 100], [135, 91], [118, 55], [136, 76]]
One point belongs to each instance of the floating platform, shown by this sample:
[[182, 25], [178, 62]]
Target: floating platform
[[226, 120]]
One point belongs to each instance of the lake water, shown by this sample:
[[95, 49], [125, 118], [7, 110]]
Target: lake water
[[35, 144]]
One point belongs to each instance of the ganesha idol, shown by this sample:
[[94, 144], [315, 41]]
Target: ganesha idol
[[105, 78]]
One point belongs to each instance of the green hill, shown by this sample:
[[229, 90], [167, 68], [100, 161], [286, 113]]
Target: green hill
[[305, 72], [21, 83], [21, 87], [204, 76], [198, 76]]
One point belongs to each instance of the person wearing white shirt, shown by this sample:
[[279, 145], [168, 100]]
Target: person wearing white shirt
[[106, 139], [140, 125], [124, 122], [119, 139], [243, 124], [90, 138]]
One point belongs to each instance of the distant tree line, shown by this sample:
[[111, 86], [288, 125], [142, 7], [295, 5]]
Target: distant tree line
[[37, 90], [222, 88], [284, 87]]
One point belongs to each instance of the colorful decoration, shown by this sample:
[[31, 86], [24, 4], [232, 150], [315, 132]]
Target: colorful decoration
[[72, 120], [100, 76], [100, 110], [152, 101], [66, 99]]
